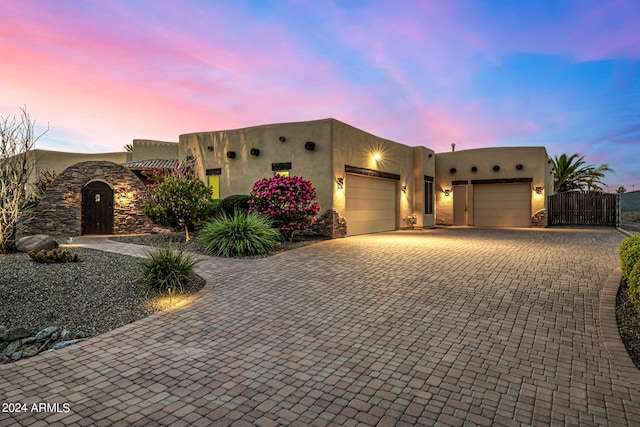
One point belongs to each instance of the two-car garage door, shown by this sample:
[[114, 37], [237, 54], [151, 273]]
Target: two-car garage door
[[502, 205], [370, 204]]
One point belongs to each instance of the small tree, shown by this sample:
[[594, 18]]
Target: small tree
[[621, 190], [17, 138], [179, 203], [287, 201]]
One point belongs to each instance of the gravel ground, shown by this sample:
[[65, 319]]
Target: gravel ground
[[628, 318], [94, 296]]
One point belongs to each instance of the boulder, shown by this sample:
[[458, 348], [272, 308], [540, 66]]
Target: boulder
[[36, 242], [160, 230], [46, 333], [16, 334]]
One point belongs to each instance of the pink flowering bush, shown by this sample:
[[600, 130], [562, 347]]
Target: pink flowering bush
[[286, 201]]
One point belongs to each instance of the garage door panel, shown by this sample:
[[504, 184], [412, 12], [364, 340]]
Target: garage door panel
[[502, 205], [370, 204]]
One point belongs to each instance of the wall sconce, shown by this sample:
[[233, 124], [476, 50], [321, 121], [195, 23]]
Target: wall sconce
[[310, 145], [340, 182], [376, 156], [404, 189], [519, 166], [231, 154], [496, 168], [453, 170], [474, 169], [447, 192], [430, 155], [538, 190], [282, 139], [255, 152], [210, 147]]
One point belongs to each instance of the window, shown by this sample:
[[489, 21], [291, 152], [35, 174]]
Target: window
[[428, 195]]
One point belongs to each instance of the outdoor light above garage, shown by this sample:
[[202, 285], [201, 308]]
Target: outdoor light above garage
[[447, 192]]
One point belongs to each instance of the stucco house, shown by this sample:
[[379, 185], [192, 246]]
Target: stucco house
[[365, 183]]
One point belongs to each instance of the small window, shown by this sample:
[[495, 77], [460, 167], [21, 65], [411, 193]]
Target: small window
[[428, 197]]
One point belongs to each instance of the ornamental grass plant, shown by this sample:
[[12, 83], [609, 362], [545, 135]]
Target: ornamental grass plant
[[166, 268], [238, 235]]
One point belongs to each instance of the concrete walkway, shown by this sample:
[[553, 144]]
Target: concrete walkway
[[456, 326]]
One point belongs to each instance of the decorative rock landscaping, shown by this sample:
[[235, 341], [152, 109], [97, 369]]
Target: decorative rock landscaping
[[19, 343]]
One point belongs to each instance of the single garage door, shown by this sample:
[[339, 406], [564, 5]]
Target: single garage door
[[502, 205], [370, 204]]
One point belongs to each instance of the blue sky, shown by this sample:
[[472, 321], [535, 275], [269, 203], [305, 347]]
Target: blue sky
[[562, 74]]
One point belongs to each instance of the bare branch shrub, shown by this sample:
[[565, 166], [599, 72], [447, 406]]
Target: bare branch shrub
[[17, 140]]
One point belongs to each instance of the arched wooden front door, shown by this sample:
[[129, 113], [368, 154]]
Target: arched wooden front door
[[97, 208]]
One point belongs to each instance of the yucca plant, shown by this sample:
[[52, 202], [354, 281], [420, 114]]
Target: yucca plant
[[240, 234], [167, 268]]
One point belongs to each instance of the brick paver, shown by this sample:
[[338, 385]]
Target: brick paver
[[456, 326]]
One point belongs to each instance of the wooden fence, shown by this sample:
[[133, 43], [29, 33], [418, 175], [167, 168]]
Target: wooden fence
[[591, 208]]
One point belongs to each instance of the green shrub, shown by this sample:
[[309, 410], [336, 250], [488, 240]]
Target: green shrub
[[629, 258], [237, 202], [629, 242], [633, 285], [167, 268], [240, 234], [214, 208]]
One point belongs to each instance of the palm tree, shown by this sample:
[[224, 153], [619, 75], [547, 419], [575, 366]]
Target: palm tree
[[573, 173]]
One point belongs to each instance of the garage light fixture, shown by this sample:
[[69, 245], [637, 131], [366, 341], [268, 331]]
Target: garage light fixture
[[447, 192], [404, 189], [377, 156], [340, 183], [538, 190]]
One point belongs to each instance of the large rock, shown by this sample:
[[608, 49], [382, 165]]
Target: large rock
[[36, 243], [16, 333]]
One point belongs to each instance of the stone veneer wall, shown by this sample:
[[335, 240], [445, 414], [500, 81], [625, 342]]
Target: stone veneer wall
[[329, 224], [59, 213]]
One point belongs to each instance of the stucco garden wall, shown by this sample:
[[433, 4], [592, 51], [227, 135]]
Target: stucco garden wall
[[630, 210], [59, 213]]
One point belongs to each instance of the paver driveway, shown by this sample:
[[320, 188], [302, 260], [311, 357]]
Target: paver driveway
[[457, 326]]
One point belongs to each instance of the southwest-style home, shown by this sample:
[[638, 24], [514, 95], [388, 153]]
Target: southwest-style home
[[364, 183]]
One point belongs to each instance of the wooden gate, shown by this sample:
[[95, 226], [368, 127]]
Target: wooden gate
[[591, 208], [97, 208]]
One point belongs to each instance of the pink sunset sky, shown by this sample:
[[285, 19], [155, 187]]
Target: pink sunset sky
[[562, 74]]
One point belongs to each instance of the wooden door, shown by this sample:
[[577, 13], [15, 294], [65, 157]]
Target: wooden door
[[97, 208]]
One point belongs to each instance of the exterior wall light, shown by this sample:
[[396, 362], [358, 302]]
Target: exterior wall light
[[310, 145], [404, 189], [282, 139], [519, 166], [231, 154], [447, 192], [255, 152], [496, 168], [340, 183], [474, 169], [453, 170], [210, 147], [538, 190], [376, 156]]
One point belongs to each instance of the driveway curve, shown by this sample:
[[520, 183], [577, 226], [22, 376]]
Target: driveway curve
[[450, 326]]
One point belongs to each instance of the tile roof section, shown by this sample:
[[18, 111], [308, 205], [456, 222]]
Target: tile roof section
[[151, 164]]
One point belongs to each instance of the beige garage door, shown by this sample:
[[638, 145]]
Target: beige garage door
[[502, 205], [370, 204]]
